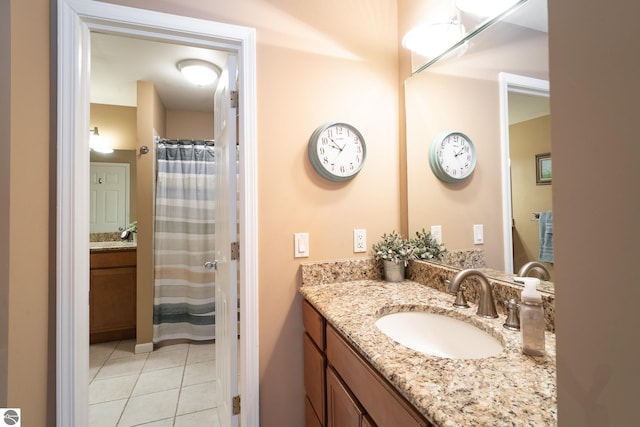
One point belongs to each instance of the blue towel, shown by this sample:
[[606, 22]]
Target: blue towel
[[546, 236]]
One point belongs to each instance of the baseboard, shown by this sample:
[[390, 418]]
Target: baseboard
[[146, 347]]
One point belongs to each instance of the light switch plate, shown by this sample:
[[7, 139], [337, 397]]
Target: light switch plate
[[436, 232], [478, 234], [301, 245]]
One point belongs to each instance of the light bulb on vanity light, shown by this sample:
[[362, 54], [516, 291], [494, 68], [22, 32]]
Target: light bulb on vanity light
[[433, 39], [97, 143], [489, 8]]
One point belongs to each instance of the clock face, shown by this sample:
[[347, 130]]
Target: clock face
[[337, 151], [452, 156]]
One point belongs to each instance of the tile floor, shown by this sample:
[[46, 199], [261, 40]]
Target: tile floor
[[172, 386]]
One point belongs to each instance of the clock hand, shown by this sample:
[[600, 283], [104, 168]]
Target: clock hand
[[335, 144]]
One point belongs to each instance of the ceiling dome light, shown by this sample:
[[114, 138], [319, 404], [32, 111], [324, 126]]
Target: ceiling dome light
[[199, 72], [489, 8], [433, 39]]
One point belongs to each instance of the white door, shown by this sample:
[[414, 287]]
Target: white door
[[109, 197], [226, 233]]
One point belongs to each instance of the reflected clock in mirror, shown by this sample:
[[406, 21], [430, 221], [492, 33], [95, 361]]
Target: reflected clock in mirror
[[452, 156]]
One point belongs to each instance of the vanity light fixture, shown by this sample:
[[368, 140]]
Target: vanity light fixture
[[489, 8], [98, 144], [198, 72], [433, 39]]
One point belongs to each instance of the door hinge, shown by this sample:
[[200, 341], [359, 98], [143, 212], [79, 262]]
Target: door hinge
[[233, 97], [235, 405], [235, 251]]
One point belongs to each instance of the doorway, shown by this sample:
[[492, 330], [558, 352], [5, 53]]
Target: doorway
[[76, 20], [528, 88]]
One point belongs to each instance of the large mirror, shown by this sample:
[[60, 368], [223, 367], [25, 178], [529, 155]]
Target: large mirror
[[479, 92]]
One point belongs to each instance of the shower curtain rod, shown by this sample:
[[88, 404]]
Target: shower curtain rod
[[209, 142]]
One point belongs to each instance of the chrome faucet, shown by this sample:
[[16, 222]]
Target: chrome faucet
[[486, 306], [534, 265]]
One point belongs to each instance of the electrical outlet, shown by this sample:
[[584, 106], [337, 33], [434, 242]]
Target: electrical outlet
[[301, 245], [478, 234], [436, 232], [359, 240]]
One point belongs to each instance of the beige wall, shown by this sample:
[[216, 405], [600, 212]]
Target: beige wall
[[298, 44], [526, 139], [5, 174], [30, 347], [596, 200], [189, 125], [151, 117], [116, 123], [437, 103]]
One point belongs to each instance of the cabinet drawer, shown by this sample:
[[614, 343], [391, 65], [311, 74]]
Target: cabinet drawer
[[314, 380], [125, 258], [383, 403], [313, 324]]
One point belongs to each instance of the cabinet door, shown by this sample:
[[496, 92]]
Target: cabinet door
[[383, 404], [367, 422], [314, 381], [310, 418], [342, 408], [112, 303]]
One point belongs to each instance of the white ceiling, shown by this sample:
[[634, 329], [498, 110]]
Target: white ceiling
[[117, 63]]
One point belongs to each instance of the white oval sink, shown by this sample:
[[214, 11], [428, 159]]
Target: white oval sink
[[439, 335]]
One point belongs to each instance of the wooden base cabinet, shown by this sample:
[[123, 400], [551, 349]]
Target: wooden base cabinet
[[355, 394], [315, 363], [112, 296]]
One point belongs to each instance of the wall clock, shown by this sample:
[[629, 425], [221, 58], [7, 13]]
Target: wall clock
[[452, 156], [337, 151]]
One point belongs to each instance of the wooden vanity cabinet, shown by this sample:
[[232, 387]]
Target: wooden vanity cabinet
[[315, 363], [355, 393], [112, 296]]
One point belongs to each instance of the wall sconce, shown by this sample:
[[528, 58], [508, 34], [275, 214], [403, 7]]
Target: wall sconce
[[198, 72], [98, 144], [433, 39]]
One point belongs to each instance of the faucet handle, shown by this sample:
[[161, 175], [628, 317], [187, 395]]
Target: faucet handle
[[513, 321], [461, 301]]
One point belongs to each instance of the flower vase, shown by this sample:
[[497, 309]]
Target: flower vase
[[393, 272]]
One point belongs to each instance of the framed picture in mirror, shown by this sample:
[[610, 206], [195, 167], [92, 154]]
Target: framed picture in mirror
[[543, 169]]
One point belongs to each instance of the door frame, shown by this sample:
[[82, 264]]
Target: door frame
[[75, 20], [521, 84]]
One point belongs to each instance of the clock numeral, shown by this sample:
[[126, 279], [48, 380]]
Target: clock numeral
[[325, 160], [321, 150]]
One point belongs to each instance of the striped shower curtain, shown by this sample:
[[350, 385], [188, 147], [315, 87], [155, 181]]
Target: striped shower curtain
[[184, 306]]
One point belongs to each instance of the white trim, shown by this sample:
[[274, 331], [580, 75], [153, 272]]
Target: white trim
[[146, 347], [520, 84], [76, 19]]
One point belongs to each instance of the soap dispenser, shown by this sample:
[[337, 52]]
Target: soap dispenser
[[532, 323]]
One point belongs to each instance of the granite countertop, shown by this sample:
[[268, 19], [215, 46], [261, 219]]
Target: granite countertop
[[510, 389], [111, 246]]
